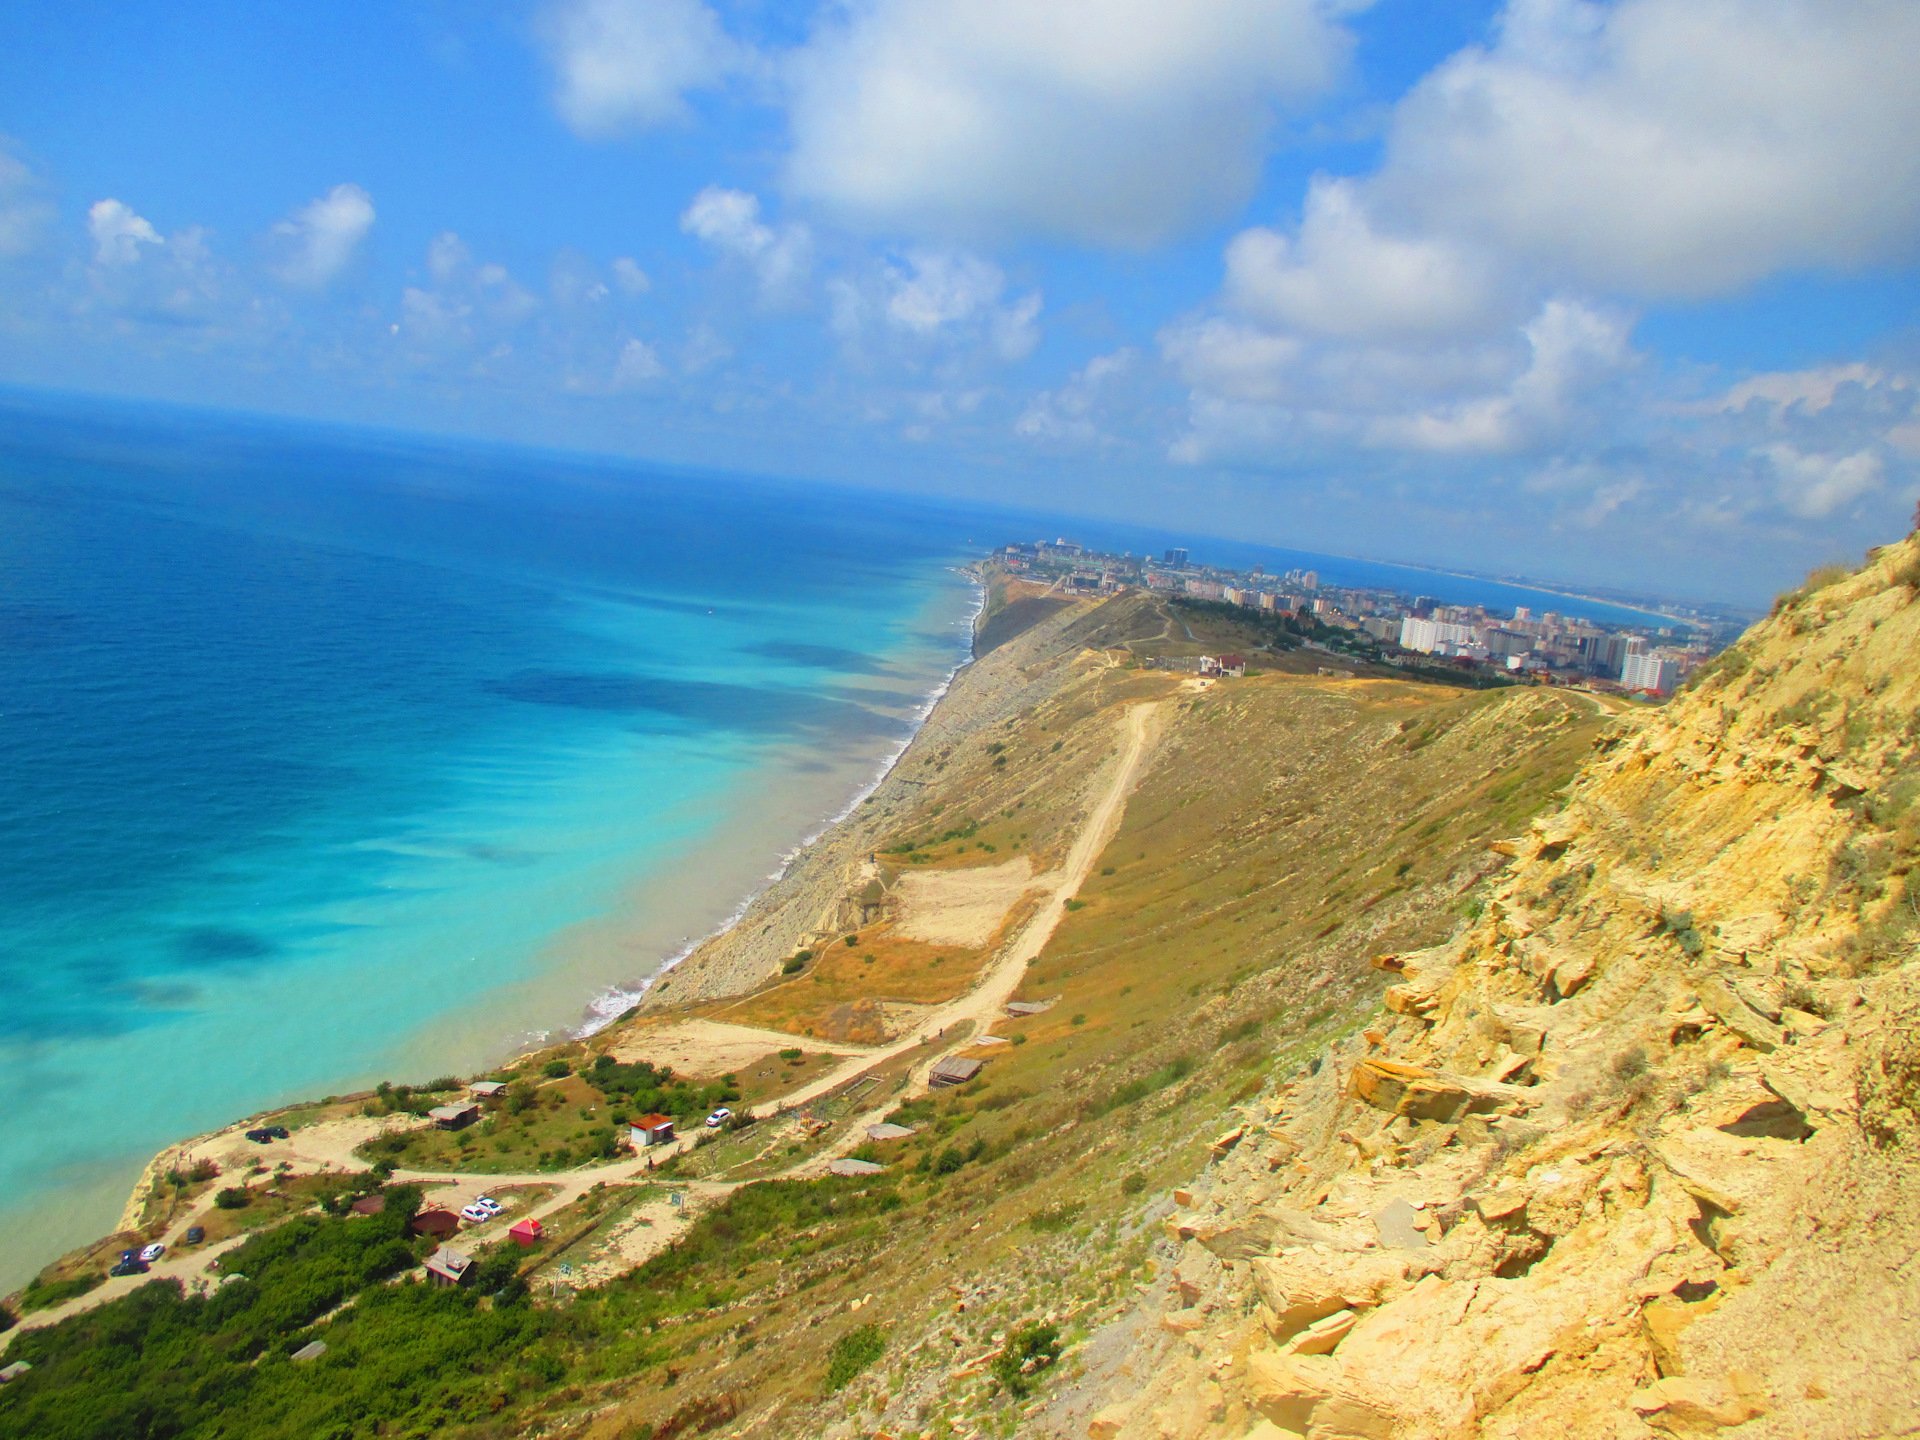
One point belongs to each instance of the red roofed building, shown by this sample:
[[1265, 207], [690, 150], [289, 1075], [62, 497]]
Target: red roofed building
[[527, 1233], [652, 1130]]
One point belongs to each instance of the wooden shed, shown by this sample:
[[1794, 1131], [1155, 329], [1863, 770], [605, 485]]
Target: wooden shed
[[454, 1117], [954, 1070]]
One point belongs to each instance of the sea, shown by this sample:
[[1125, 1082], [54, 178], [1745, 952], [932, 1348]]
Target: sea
[[334, 756]]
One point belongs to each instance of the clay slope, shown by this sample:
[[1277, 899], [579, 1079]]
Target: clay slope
[[1638, 1152]]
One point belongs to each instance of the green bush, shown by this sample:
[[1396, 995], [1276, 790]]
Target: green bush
[[1030, 1351], [852, 1353], [234, 1197], [556, 1069]]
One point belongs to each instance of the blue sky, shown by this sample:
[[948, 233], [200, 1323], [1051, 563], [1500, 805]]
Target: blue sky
[[1616, 293]]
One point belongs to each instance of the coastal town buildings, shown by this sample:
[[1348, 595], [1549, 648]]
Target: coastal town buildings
[[1396, 629]]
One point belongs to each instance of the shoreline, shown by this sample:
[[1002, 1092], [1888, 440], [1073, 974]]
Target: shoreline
[[582, 1003], [616, 1002]]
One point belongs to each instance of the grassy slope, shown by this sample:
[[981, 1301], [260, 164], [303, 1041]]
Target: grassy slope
[[1287, 828]]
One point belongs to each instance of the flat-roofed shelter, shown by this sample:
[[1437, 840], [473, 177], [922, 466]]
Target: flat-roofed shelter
[[447, 1266], [954, 1070], [847, 1166], [453, 1117], [884, 1131], [487, 1089]]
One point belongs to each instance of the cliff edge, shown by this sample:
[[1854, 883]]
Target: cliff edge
[[1636, 1152]]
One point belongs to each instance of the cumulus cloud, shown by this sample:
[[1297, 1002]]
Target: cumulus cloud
[[935, 300], [622, 65], [118, 233], [729, 221], [942, 288], [1072, 412], [317, 241], [1113, 121], [1342, 276], [629, 277], [1809, 391], [1671, 147], [1813, 487], [639, 364], [467, 303]]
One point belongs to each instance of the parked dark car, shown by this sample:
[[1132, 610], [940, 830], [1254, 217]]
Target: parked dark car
[[278, 1132], [260, 1135], [195, 1234], [134, 1266]]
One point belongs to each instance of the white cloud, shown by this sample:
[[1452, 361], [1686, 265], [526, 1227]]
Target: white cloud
[[729, 221], [1809, 391], [1813, 487], [318, 240], [1571, 346], [118, 233], [629, 277], [705, 348], [24, 215], [639, 364], [943, 289], [1115, 121], [1670, 147], [1342, 276], [1229, 360], [934, 302], [1071, 413], [624, 65], [467, 303]]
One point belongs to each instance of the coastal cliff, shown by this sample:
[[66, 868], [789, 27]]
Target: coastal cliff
[[1637, 1151]]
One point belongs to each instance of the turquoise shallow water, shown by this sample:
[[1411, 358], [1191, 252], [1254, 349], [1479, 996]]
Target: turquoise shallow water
[[322, 751]]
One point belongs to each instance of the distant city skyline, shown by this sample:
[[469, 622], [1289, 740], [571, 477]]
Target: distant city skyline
[[1619, 293]]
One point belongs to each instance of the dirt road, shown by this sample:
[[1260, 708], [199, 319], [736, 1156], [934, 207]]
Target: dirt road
[[330, 1146]]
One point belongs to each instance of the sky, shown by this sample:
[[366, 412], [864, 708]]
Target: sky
[[1603, 293]]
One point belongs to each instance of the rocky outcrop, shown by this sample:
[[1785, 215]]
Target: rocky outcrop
[[1636, 1153]]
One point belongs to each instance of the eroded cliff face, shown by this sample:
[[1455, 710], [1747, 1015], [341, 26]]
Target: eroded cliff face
[[1637, 1152]]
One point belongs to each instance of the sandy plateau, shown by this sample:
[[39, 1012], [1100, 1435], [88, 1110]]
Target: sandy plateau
[[960, 907]]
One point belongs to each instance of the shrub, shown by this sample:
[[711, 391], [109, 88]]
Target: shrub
[[852, 1353], [233, 1197], [792, 1053], [1134, 1183], [556, 1069], [1055, 1217], [1029, 1350], [795, 965], [850, 941]]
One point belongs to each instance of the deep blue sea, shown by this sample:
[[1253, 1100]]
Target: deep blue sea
[[327, 757]]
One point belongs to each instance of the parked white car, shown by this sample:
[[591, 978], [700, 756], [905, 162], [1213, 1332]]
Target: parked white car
[[153, 1252], [719, 1118], [477, 1214], [489, 1204]]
